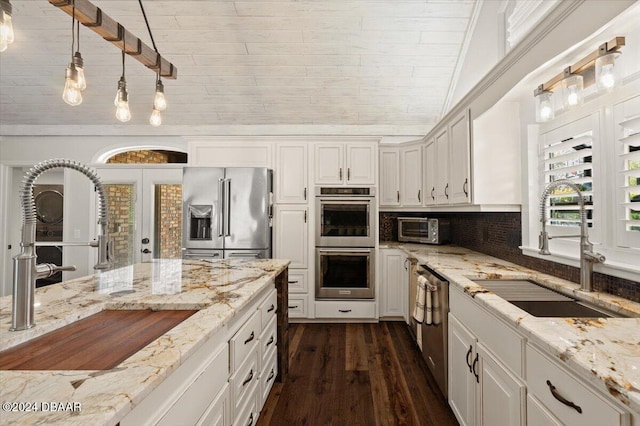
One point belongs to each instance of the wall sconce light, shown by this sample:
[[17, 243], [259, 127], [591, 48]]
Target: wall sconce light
[[6, 27], [571, 82]]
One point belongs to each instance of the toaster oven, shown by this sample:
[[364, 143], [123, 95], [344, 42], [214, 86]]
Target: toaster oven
[[424, 230]]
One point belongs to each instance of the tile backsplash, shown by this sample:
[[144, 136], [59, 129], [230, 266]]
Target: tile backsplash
[[500, 235]]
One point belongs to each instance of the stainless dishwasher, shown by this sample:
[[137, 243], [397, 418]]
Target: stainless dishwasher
[[434, 335]]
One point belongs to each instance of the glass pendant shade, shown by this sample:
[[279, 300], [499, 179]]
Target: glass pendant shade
[[606, 71], [71, 94], [572, 91], [79, 64], [6, 27], [122, 102], [156, 119], [544, 106], [159, 102], [123, 113]]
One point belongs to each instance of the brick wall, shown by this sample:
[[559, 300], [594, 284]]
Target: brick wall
[[121, 216], [500, 235], [139, 157], [169, 227]]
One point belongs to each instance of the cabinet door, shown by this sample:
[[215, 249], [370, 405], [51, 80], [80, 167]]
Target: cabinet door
[[389, 176], [538, 415], [459, 190], [393, 284], [329, 164], [443, 190], [430, 160], [292, 234], [291, 174], [502, 396], [462, 381], [360, 164], [411, 176]]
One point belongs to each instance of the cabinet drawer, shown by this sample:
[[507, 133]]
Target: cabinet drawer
[[218, 412], [595, 409], [268, 377], [247, 415], [268, 308], [244, 341], [297, 307], [243, 381], [195, 400], [297, 281], [268, 341], [347, 309], [504, 342]]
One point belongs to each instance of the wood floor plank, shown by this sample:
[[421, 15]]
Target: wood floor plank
[[322, 390]]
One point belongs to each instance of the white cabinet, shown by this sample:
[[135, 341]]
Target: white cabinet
[[229, 152], [345, 163], [389, 176], [441, 142], [462, 381], [292, 234], [411, 176], [430, 161], [393, 283], [291, 176], [459, 191]]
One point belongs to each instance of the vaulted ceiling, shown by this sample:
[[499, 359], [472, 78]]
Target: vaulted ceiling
[[382, 64]]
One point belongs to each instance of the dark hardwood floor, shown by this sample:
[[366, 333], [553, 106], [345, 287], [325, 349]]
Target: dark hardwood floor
[[355, 374]]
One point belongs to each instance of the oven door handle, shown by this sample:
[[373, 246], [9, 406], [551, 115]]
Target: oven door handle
[[345, 252]]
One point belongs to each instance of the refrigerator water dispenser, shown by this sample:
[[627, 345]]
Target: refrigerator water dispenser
[[200, 222]]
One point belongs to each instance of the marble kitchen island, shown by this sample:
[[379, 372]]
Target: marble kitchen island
[[218, 290]]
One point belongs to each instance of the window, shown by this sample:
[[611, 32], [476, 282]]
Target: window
[[627, 119]]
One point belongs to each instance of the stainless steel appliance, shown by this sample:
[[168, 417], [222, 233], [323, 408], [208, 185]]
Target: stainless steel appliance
[[434, 335], [345, 273], [227, 212], [424, 230], [49, 204], [344, 217]]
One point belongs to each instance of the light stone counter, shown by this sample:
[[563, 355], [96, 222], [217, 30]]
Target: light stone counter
[[218, 289], [605, 352]]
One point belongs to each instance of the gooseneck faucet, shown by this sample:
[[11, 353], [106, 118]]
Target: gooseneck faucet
[[25, 269], [587, 256]]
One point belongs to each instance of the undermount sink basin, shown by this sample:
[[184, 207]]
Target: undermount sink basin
[[541, 301], [98, 342]]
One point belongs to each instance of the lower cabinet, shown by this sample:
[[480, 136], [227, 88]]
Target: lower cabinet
[[348, 309], [224, 382], [393, 284]]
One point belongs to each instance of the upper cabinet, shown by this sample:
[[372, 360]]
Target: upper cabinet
[[411, 176], [292, 181], [389, 176], [459, 159], [401, 175], [351, 163]]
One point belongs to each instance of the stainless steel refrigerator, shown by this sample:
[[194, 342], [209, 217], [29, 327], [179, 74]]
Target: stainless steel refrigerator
[[226, 212]]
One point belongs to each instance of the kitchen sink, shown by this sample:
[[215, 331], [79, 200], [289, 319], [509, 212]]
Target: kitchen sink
[[541, 301]]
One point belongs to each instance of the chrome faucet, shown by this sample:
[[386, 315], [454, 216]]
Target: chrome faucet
[[587, 256], [25, 269]]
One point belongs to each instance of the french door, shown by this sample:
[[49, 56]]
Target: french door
[[145, 212]]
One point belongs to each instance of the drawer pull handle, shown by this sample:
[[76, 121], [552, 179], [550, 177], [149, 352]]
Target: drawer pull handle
[[271, 308], [271, 375], [293, 307], [250, 338], [250, 420], [469, 358], [475, 373], [432, 191], [293, 282], [344, 311], [248, 379], [562, 399], [445, 191], [464, 187], [271, 339]]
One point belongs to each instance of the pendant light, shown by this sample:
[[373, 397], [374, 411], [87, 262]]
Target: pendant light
[[6, 27], [71, 93], [159, 100], [122, 96], [77, 60]]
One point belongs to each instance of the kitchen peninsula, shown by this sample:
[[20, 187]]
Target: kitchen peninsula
[[230, 296]]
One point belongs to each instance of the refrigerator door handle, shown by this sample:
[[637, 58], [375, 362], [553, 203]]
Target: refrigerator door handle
[[228, 207], [221, 208]]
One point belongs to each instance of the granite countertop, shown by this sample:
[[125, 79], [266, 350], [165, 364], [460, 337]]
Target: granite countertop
[[605, 352], [217, 289]]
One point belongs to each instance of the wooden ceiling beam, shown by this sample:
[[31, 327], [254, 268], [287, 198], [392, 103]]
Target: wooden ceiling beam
[[95, 19]]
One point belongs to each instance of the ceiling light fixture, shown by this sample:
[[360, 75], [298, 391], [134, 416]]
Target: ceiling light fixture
[[122, 96], [572, 82], [77, 60], [159, 101], [6, 27], [71, 93]]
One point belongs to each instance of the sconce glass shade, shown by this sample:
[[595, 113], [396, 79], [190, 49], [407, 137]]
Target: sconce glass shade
[[160, 102], [572, 91], [71, 94], [606, 71], [544, 106], [6, 27], [156, 119]]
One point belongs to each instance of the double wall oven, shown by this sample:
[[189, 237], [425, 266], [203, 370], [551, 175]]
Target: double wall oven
[[345, 243]]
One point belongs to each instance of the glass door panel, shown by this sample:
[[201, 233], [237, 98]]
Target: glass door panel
[[168, 221]]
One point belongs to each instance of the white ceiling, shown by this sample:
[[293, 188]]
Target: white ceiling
[[320, 63]]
